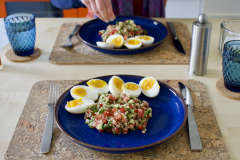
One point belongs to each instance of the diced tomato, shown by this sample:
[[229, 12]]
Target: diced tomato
[[140, 114], [106, 113], [148, 117], [130, 105], [126, 98], [100, 130], [136, 110], [100, 105], [125, 131], [118, 116], [114, 98], [141, 127], [136, 33], [125, 37], [131, 32], [112, 114], [122, 110], [114, 110], [99, 116], [100, 33], [135, 100], [89, 111], [124, 120], [131, 126], [104, 121], [116, 130], [145, 124], [110, 97], [109, 130]]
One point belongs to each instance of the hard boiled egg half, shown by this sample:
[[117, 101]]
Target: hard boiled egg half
[[149, 87], [146, 40], [105, 45], [133, 43], [115, 85], [131, 89], [78, 106], [116, 39], [98, 85], [84, 92]]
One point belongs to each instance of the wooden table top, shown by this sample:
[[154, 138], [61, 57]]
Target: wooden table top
[[16, 80]]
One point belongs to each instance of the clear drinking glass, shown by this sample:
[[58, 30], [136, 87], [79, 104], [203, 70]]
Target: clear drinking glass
[[229, 30], [231, 65], [21, 32]]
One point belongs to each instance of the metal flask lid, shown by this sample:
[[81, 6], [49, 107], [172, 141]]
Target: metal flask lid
[[201, 31]]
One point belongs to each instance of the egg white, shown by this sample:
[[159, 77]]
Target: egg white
[[131, 93], [112, 37], [154, 91], [112, 87], [91, 94], [130, 46], [145, 42], [101, 90], [80, 108], [105, 45]]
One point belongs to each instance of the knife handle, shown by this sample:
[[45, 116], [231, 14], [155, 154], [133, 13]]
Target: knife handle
[[172, 30], [194, 137]]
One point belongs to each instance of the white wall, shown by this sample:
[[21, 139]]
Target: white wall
[[213, 8]]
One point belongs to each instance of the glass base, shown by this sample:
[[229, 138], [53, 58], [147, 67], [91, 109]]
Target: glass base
[[232, 88], [24, 53]]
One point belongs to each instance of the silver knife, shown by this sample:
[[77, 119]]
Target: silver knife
[[176, 42], [195, 141]]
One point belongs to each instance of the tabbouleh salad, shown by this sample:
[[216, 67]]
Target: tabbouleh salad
[[118, 114]]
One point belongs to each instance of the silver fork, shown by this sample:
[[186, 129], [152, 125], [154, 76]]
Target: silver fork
[[68, 43], [47, 136]]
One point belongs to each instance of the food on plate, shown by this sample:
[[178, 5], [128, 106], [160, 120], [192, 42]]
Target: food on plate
[[127, 29], [105, 45], [78, 106], [116, 39], [118, 114], [146, 40], [131, 89], [84, 92], [98, 85], [133, 43], [115, 85], [149, 87]]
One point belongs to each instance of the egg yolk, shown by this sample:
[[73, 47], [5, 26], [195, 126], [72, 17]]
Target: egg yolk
[[96, 83], [147, 84], [79, 91], [145, 38], [118, 83], [133, 42], [131, 86], [117, 41], [74, 103]]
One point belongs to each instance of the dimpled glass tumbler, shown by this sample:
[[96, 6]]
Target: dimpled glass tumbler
[[231, 65], [21, 32]]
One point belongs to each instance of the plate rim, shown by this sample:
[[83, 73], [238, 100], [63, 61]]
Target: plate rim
[[152, 45], [119, 149]]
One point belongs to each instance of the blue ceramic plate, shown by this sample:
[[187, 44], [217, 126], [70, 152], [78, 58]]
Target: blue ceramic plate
[[88, 33], [169, 114]]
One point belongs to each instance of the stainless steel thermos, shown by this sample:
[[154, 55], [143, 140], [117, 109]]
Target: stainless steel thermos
[[201, 33]]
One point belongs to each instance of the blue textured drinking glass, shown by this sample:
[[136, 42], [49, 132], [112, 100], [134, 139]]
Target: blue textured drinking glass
[[231, 65], [21, 32]]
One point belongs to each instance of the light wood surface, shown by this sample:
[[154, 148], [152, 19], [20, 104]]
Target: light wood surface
[[16, 80]]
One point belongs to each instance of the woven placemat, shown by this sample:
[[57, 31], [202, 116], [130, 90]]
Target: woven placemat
[[27, 138], [165, 53]]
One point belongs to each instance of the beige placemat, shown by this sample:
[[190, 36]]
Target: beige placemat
[[27, 138], [165, 53]]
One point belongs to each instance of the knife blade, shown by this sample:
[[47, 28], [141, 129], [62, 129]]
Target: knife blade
[[195, 141], [176, 41]]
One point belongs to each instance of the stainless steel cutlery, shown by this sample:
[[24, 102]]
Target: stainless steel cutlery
[[68, 43]]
